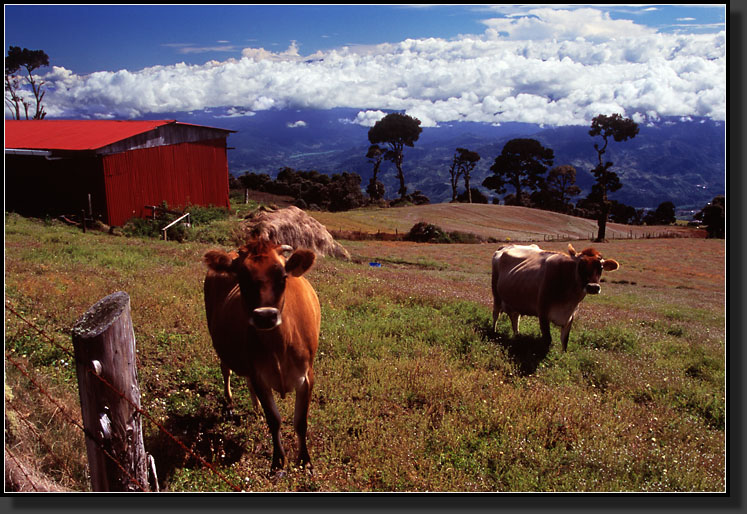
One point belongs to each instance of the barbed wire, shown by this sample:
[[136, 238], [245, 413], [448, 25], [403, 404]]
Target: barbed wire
[[71, 419], [39, 437], [137, 408], [40, 331], [21, 468]]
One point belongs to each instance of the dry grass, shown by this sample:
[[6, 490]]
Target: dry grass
[[414, 391], [499, 222]]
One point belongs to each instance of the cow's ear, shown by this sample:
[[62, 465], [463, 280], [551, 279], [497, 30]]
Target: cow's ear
[[218, 260], [300, 262], [571, 250], [610, 264]]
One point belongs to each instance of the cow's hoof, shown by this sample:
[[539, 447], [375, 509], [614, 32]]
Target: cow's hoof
[[305, 467], [276, 474], [230, 415]]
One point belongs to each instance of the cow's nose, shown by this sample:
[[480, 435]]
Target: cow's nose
[[265, 318], [593, 288]]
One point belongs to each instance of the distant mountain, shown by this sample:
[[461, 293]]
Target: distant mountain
[[669, 160]]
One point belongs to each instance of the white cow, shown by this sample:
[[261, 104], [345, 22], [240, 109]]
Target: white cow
[[550, 285]]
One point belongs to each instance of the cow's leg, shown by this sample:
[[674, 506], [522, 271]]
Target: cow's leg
[[226, 372], [255, 401], [545, 329], [497, 303], [264, 394], [300, 418], [566, 331], [496, 313], [515, 318]]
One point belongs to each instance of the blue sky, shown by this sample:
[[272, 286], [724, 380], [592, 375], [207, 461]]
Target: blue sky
[[125, 61], [88, 38]]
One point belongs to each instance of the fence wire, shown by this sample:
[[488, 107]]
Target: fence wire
[[137, 408]]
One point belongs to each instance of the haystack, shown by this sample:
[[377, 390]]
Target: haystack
[[292, 226]]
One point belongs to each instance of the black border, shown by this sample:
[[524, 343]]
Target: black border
[[732, 501]]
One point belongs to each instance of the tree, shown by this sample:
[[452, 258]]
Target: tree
[[454, 174], [620, 129], [664, 214], [621, 213], [521, 164], [396, 130], [254, 181], [463, 164], [375, 188], [29, 60], [713, 216], [561, 184], [344, 192], [474, 196]]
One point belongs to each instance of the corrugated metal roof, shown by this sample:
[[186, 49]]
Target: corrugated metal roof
[[75, 134]]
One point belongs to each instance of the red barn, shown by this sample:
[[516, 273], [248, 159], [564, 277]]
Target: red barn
[[52, 166]]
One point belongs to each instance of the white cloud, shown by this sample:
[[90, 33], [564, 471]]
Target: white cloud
[[296, 124], [583, 64], [260, 54], [234, 112], [547, 23], [366, 118]]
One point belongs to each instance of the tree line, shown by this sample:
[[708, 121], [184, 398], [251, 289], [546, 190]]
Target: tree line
[[523, 173]]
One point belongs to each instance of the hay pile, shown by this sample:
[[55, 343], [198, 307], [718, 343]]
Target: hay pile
[[292, 226]]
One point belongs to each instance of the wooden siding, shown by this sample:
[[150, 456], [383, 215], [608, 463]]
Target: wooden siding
[[165, 135], [182, 174]]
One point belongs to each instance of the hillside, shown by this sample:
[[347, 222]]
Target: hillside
[[499, 222]]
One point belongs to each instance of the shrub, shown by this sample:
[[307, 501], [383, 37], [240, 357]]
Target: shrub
[[477, 196], [201, 218], [141, 227], [423, 232], [203, 215]]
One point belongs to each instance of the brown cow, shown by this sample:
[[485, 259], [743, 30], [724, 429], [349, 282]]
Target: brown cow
[[550, 285], [264, 318]]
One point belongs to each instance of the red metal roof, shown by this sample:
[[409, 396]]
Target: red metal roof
[[74, 134]]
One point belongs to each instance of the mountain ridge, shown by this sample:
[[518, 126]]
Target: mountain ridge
[[671, 159]]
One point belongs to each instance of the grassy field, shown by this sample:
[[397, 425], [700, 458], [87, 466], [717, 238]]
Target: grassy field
[[496, 222], [414, 391]]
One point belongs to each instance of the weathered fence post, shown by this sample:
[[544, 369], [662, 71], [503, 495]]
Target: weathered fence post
[[104, 343]]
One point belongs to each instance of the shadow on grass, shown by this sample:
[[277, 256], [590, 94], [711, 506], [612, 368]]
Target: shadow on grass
[[526, 352], [213, 437]]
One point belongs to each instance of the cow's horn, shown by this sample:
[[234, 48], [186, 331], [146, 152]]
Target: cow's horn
[[571, 250]]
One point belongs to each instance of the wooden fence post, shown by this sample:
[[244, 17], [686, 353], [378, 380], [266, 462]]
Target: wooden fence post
[[104, 343]]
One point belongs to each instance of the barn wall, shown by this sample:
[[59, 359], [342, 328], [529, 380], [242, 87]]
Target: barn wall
[[181, 175]]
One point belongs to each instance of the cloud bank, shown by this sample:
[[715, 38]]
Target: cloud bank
[[550, 66]]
